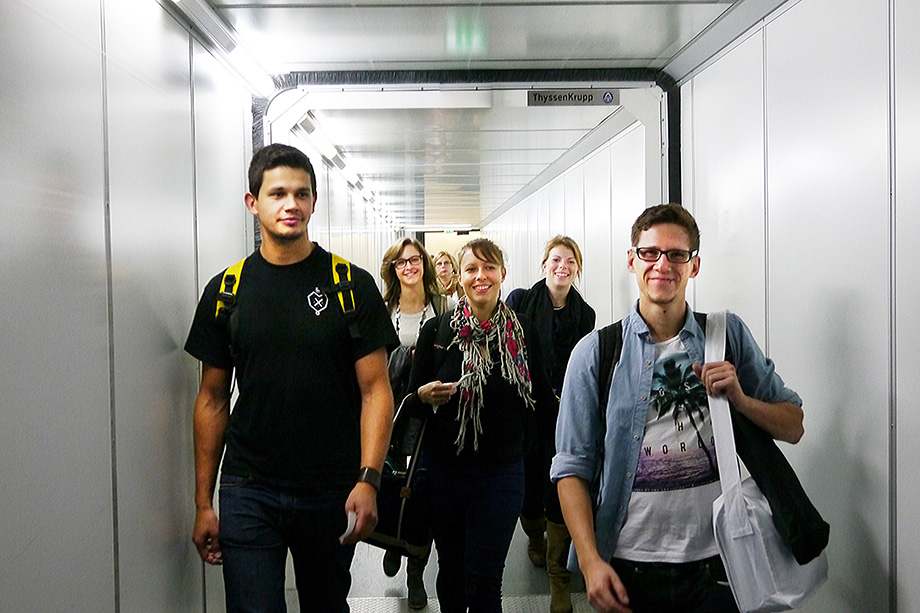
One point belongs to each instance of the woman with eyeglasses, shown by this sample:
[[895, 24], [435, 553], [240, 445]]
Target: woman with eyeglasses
[[448, 274], [411, 288], [412, 297], [561, 317], [480, 380]]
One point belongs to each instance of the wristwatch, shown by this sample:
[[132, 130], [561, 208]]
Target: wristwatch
[[371, 476]]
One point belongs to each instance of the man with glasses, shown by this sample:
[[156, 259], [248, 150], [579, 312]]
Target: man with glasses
[[638, 476]]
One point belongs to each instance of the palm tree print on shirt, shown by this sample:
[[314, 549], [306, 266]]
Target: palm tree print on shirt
[[678, 451]]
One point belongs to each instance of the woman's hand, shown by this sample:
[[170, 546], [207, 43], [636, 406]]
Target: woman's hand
[[436, 393]]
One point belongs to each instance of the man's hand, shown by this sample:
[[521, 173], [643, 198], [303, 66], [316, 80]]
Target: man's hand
[[720, 378], [606, 592], [363, 501], [781, 420], [205, 536]]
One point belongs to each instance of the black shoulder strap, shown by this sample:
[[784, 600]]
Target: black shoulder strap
[[344, 287], [701, 320], [226, 293], [439, 304], [610, 343]]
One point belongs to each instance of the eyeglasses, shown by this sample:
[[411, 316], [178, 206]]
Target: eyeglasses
[[399, 264], [653, 254]]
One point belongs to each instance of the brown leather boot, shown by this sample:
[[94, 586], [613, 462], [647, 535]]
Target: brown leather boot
[[536, 545], [560, 579]]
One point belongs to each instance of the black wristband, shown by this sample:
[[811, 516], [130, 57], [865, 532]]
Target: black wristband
[[371, 476]]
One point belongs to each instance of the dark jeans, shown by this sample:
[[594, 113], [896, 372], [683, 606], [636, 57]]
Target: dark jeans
[[690, 587], [259, 523], [473, 515], [541, 499]]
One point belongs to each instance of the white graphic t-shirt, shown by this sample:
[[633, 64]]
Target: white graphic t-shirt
[[669, 518]]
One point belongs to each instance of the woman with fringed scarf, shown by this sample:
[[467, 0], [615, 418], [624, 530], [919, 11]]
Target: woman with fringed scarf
[[480, 379], [561, 317]]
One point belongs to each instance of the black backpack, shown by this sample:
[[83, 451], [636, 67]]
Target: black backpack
[[796, 518]]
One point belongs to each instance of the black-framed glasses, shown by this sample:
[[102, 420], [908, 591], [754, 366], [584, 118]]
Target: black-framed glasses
[[653, 254], [399, 264]]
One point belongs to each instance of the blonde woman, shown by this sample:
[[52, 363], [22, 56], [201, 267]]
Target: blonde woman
[[561, 317], [448, 272]]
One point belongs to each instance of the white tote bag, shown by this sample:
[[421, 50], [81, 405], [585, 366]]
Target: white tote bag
[[762, 572]]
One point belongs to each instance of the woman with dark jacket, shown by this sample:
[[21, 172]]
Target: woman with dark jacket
[[480, 381], [412, 298], [561, 317]]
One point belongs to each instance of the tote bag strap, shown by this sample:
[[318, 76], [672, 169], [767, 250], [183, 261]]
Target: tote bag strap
[[729, 473]]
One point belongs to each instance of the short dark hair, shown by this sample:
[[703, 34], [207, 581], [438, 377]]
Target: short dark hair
[[667, 213], [273, 156]]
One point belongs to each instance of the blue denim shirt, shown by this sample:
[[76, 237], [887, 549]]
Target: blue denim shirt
[[579, 429]]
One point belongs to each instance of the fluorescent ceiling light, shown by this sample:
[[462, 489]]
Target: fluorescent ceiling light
[[252, 72], [446, 99], [208, 22], [204, 19], [446, 227]]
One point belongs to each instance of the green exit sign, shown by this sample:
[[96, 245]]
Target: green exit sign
[[466, 35]]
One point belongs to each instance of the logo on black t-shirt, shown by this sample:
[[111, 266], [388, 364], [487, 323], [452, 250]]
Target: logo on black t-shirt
[[318, 300]]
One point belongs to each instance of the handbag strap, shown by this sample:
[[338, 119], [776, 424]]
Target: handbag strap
[[726, 455]]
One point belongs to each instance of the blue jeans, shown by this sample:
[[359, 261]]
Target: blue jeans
[[690, 587], [259, 523], [473, 515]]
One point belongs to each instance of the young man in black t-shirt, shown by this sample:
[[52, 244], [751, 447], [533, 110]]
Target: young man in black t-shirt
[[307, 437]]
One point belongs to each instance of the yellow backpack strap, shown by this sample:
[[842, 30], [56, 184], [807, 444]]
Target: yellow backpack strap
[[343, 285], [226, 296]]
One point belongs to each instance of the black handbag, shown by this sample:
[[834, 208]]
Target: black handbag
[[399, 366], [403, 525]]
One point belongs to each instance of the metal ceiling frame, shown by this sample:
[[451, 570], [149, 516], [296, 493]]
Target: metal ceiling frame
[[506, 78]]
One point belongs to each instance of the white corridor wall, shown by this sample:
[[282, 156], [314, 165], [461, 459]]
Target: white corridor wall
[[789, 160], [595, 203]]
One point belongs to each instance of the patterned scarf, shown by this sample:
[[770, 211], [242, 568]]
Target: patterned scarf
[[477, 340]]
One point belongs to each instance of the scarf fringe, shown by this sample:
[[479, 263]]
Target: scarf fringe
[[476, 340]]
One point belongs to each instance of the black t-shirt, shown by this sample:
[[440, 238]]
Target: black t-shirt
[[297, 417]]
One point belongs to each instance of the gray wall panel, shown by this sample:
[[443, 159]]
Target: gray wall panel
[[222, 155], [728, 195], [597, 246], [55, 486], [628, 197], [828, 322], [829, 315], [558, 220], [574, 198], [907, 220], [154, 283], [223, 224]]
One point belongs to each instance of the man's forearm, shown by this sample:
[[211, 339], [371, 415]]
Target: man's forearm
[[376, 427], [781, 420], [210, 426], [578, 512]]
